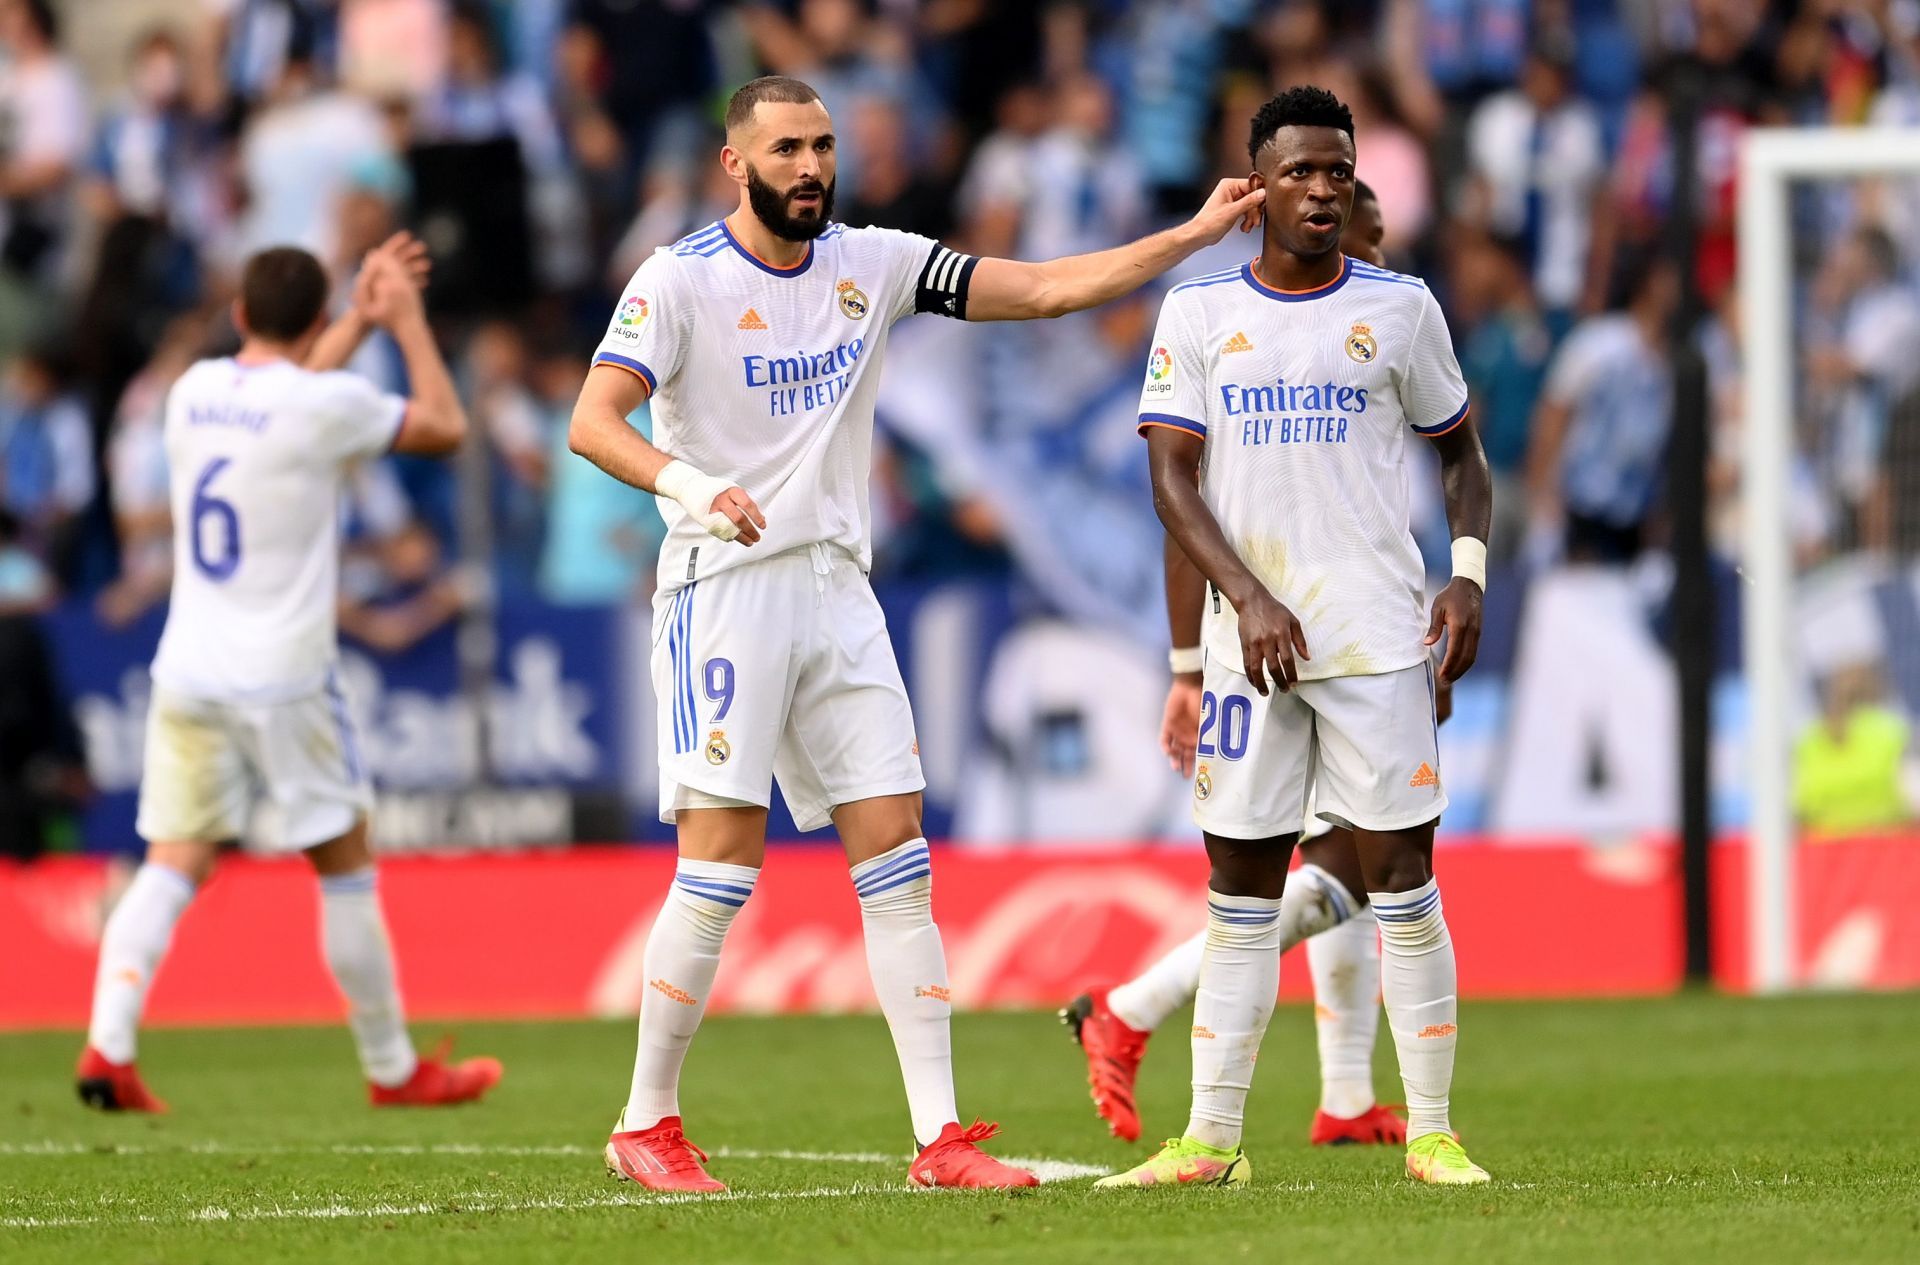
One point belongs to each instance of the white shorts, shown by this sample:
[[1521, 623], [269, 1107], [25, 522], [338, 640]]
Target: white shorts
[[207, 762], [1365, 747], [780, 668]]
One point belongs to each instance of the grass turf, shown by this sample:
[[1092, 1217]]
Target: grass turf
[[1697, 1128]]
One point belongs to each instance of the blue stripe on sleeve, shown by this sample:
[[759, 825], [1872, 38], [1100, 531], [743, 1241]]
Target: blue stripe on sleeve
[[628, 362], [1174, 420], [1441, 428]]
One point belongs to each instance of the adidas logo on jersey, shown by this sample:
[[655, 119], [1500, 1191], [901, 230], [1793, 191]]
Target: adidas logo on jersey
[[1238, 342], [1424, 776], [751, 321]]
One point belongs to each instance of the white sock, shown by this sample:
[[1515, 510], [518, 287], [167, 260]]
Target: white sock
[[1345, 961], [1144, 1002], [1314, 901], [683, 952], [131, 946], [1418, 982], [909, 969], [1238, 979], [353, 935]]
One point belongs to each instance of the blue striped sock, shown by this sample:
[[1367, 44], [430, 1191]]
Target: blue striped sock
[[909, 969], [683, 953]]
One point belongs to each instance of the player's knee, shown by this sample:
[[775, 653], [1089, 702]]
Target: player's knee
[[193, 861], [1247, 867], [1400, 869], [730, 835], [874, 827], [1336, 853], [348, 854]]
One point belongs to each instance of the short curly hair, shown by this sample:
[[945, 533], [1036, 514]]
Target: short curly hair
[[1304, 106]]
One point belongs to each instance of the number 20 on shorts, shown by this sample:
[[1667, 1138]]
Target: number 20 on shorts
[[1232, 715]]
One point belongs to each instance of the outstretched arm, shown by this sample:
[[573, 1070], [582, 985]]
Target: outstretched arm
[[1270, 636], [1468, 487], [1008, 290]]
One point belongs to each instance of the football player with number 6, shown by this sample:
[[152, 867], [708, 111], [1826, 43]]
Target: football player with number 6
[[247, 701]]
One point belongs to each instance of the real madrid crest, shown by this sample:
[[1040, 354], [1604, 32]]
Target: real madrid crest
[[717, 748], [853, 300], [1202, 783], [1360, 344]]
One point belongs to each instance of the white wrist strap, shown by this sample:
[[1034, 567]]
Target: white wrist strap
[[695, 490], [1186, 659], [1470, 560]]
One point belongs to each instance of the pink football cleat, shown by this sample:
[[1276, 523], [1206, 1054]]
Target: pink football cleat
[[955, 1159], [661, 1158]]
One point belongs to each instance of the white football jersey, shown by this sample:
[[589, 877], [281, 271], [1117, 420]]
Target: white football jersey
[[766, 376], [1305, 400], [256, 455]]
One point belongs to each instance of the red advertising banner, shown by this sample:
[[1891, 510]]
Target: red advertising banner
[[562, 933]]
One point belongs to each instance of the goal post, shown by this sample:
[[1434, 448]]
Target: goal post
[[1771, 160]]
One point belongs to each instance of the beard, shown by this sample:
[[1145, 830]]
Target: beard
[[770, 205]]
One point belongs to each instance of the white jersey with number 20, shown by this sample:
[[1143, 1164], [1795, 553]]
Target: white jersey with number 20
[[1305, 400], [255, 457]]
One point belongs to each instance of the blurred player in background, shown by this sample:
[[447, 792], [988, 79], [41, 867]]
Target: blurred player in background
[[1276, 405], [1325, 903], [247, 702], [759, 340]]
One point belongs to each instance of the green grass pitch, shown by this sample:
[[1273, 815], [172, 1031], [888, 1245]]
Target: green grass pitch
[[1694, 1129]]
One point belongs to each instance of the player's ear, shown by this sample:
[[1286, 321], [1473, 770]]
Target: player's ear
[[734, 162], [1256, 181], [237, 313]]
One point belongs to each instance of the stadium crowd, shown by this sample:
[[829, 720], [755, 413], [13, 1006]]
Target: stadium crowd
[[1523, 152]]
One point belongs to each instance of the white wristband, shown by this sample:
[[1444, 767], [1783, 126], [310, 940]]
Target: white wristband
[[695, 490], [1186, 659], [1470, 560]]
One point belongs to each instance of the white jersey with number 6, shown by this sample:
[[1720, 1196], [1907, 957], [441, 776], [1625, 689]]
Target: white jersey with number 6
[[1305, 400], [255, 456]]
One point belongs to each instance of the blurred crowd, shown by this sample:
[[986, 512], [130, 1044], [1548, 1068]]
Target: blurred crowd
[[1526, 154]]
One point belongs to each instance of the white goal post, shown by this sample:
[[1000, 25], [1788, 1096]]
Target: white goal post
[[1771, 159]]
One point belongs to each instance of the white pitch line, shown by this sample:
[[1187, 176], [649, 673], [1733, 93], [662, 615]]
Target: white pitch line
[[453, 1205], [1044, 1168], [1047, 1170]]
